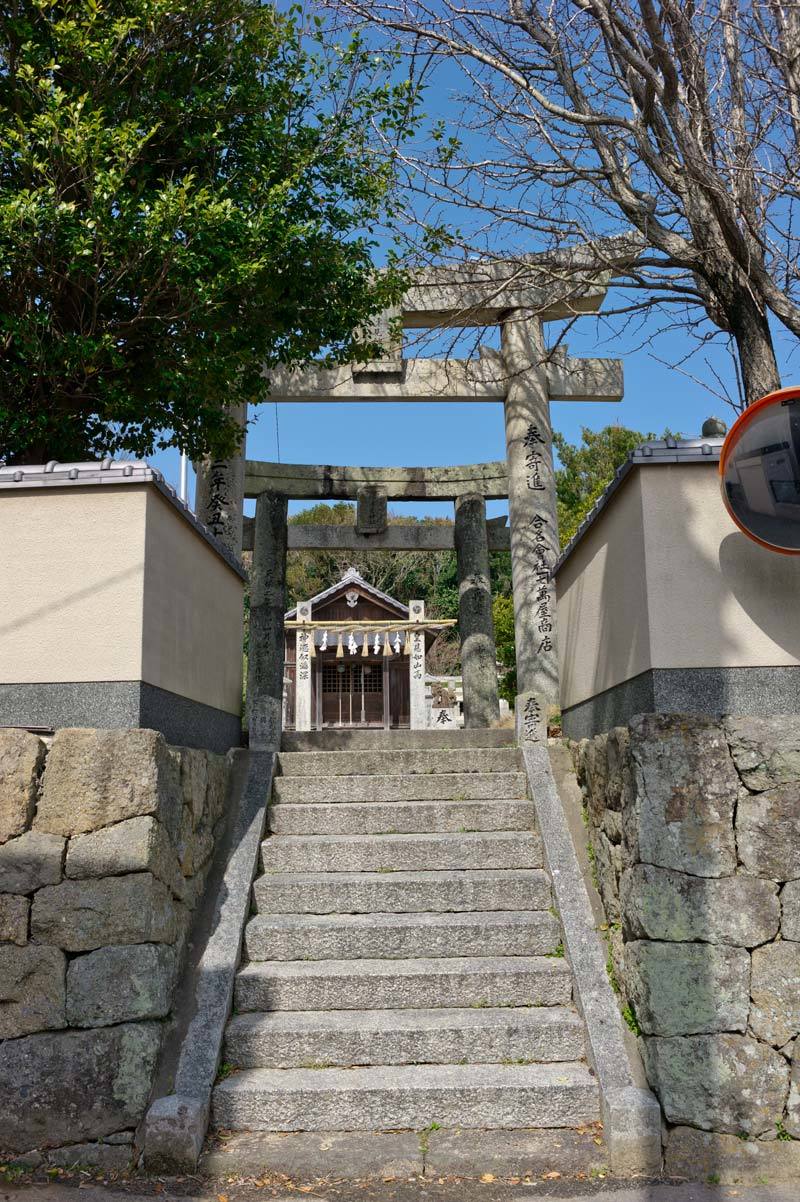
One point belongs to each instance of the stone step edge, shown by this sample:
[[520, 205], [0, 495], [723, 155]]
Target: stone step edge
[[297, 1021], [528, 1153], [454, 918]]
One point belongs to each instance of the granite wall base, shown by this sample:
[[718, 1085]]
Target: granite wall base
[[708, 692], [114, 704]]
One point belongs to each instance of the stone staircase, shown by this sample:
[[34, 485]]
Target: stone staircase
[[403, 963]]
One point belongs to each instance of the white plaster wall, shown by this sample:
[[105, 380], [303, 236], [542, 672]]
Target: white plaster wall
[[664, 579], [603, 621], [715, 598], [71, 584], [193, 613]]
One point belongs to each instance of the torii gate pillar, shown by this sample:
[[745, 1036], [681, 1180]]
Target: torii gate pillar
[[533, 520], [219, 494]]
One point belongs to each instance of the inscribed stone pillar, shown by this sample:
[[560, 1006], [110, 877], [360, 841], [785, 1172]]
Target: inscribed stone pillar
[[219, 492], [371, 510], [267, 607], [302, 683], [476, 628], [533, 520], [418, 712]]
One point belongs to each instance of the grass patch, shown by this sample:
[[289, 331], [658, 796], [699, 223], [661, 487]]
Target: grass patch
[[629, 1014]]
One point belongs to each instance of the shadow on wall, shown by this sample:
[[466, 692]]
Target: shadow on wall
[[760, 583]]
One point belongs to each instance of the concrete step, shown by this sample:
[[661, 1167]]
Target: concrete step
[[401, 853], [400, 936], [577, 1154], [394, 740], [408, 1096], [436, 786], [319, 1039], [401, 892], [403, 984], [401, 817], [398, 763]]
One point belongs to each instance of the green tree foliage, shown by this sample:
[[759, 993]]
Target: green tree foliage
[[586, 469], [187, 194], [503, 614]]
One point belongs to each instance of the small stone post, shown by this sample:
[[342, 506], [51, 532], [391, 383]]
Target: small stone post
[[371, 510], [533, 520], [418, 714], [476, 627], [302, 681], [267, 607], [219, 492]]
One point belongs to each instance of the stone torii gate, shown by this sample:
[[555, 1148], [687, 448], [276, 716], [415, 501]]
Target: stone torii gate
[[525, 377]]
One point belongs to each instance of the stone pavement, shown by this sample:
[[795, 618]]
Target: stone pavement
[[417, 1190]]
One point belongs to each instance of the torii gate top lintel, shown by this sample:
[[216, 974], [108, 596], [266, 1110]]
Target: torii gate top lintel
[[478, 293], [481, 292]]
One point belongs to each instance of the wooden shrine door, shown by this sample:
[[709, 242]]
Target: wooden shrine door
[[351, 694]]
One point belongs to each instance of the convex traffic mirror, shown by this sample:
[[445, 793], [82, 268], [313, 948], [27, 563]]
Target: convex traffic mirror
[[760, 471]]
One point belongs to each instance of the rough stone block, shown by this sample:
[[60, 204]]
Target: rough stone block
[[14, 912], [31, 990], [608, 865], [618, 766], [792, 1122], [659, 903], [120, 984], [72, 1086], [174, 1131], [697, 1155], [96, 777], [632, 1131], [109, 1158], [198, 852], [217, 790], [790, 911], [688, 988], [768, 832], [727, 1083], [21, 759], [135, 845], [79, 916], [194, 781], [775, 990], [766, 751], [680, 814], [611, 825], [31, 861]]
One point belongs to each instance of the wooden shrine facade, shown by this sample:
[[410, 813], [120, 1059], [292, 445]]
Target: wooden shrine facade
[[354, 658]]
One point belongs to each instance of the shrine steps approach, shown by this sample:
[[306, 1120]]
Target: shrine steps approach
[[403, 965]]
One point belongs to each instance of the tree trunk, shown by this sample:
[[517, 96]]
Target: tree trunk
[[751, 332]]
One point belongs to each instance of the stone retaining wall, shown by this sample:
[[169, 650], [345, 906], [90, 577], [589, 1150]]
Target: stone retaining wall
[[695, 832], [106, 837]]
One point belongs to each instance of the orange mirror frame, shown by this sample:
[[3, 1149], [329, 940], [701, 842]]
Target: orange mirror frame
[[759, 471]]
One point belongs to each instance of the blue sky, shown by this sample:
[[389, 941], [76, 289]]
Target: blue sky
[[656, 395]]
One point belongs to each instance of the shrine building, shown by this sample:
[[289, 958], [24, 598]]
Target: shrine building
[[355, 658]]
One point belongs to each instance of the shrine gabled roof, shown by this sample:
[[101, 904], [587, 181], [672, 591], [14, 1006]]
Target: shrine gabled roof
[[351, 576]]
